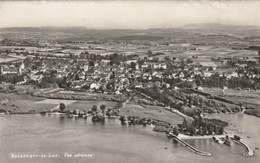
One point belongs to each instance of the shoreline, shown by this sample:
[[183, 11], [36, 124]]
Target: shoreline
[[180, 138], [28, 104], [157, 121]]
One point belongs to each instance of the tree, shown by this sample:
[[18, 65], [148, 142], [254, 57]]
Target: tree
[[77, 77], [149, 52], [175, 131], [210, 68], [200, 102], [94, 108], [221, 130], [210, 130], [196, 121], [200, 132], [192, 131], [103, 107], [189, 61], [11, 87], [187, 125], [133, 65], [198, 80], [91, 63], [190, 101], [204, 130], [62, 107]]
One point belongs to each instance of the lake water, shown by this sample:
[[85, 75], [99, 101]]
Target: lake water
[[111, 142]]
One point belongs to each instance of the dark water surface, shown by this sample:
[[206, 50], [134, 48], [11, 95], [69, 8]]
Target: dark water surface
[[110, 142]]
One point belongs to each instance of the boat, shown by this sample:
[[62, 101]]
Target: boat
[[69, 115], [216, 139], [57, 113], [227, 141]]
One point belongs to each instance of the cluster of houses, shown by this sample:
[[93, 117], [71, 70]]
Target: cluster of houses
[[11, 68], [105, 77]]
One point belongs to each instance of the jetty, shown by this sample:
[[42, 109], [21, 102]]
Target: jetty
[[190, 147], [250, 151]]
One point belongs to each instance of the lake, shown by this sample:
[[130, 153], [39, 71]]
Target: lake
[[112, 142]]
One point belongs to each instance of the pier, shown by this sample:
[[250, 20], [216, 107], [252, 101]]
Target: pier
[[250, 151], [193, 149]]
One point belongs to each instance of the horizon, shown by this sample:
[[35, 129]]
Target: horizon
[[185, 26], [127, 14]]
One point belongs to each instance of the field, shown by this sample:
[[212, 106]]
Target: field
[[232, 92], [55, 102], [4, 58], [87, 105], [152, 112], [74, 93], [8, 58], [203, 53], [246, 101], [246, 97], [25, 103], [210, 51]]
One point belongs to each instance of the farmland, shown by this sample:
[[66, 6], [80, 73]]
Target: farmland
[[25, 103], [151, 112], [246, 97]]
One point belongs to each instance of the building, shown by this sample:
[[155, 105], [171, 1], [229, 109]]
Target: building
[[208, 65], [85, 67], [11, 70]]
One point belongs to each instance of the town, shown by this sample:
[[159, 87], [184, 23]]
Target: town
[[144, 64], [130, 81], [167, 77]]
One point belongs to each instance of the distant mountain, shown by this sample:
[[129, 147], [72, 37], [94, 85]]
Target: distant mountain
[[138, 37], [82, 33], [216, 31], [239, 31], [218, 26]]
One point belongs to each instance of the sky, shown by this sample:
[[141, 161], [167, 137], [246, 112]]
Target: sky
[[127, 14]]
